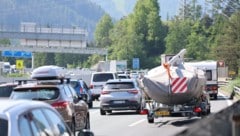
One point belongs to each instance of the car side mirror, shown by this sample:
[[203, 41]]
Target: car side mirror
[[86, 132]]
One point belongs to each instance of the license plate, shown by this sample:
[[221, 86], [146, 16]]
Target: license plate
[[162, 113], [118, 102]]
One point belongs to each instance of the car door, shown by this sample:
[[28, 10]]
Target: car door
[[79, 108]]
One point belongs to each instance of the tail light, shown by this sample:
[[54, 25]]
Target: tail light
[[104, 92], [81, 90], [91, 86], [144, 112], [60, 104], [213, 87], [197, 109], [133, 91]]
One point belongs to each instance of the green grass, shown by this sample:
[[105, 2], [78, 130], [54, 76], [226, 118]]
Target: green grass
[[229, 87]]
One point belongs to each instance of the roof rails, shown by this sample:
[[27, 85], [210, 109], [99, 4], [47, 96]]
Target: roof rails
[[24, 81]]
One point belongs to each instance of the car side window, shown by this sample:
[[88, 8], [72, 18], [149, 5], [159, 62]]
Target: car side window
[[58, 125], [72, 91], [67, 91], [38, 123]]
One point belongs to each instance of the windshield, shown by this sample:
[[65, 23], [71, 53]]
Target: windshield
[[103, 77], [36, 93], [122, 85]]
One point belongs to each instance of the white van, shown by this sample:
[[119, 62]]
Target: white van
[[210, 68], [98, 79]]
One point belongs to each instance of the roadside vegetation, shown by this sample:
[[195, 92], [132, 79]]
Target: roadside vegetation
[[206, 34], [228, 88]]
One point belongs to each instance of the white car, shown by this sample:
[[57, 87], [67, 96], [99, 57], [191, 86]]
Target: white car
[[98, 79], [28, 118], [121, 94]]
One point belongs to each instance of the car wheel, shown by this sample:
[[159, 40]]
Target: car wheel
[[72, 126], [215, 97], [87, 125], [102, 112], [90, 104]]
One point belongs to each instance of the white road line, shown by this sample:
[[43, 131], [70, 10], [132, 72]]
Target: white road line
[[138, 122], [229, 102]]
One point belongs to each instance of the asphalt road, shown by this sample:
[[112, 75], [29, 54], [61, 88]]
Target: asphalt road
[[128, 123]]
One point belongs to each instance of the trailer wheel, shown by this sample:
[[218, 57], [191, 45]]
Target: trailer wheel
[[215, 96], [150, 118]]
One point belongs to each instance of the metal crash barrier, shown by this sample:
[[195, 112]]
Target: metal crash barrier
[[224, 123]]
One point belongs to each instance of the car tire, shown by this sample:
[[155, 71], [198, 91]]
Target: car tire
[[90, 104], [72, 126], [102, 112], [87, 125], [215, 96]]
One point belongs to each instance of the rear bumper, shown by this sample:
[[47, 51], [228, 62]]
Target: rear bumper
[[127, 105]]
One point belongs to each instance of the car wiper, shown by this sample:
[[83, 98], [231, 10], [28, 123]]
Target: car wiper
[[40, 99]]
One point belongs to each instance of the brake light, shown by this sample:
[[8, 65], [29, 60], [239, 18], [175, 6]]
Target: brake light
[[133, 91], [197, 109], [60, 104], [91, 87], [81, 90], [214, 87], [104, 92]]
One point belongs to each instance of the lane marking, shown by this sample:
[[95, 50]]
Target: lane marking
[[136, 123]]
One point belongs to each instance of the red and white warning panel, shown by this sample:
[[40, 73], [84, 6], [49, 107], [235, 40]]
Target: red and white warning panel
[[179, 85]]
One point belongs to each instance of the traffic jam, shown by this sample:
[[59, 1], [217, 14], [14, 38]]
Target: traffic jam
[[172, 88]]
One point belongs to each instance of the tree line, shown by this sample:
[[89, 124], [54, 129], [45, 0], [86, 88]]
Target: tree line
[[207, 34]]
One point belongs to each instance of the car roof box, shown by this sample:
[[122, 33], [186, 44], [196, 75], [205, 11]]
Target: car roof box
[[50, 72]]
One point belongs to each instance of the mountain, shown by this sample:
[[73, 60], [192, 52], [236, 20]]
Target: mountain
[[119, 8], [56, 13]]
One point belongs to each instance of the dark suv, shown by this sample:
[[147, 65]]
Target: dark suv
[[57, 91]]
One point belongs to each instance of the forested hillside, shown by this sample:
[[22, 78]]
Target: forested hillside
[[82, 13]]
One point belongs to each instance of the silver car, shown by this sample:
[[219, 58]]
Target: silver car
[[29, 118], [121, 94]]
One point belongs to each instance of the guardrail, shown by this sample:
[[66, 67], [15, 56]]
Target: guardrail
[[236, 89]]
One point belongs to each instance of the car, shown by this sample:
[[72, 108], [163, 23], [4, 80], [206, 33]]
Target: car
[[121, 94], [53, 88], [28, 118], [81, 87], [6, 89], [98, 79], [123, 76]]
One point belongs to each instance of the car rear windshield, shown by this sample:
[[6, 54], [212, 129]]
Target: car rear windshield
[[122, 85], [5, 91], [35, 93], [4, 127], [102, 77]]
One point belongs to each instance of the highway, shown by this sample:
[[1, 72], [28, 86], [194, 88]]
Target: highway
[[128, 123]]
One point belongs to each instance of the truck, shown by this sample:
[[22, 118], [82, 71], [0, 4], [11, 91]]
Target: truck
[[211, 70], [175, 88], [5, 67]]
